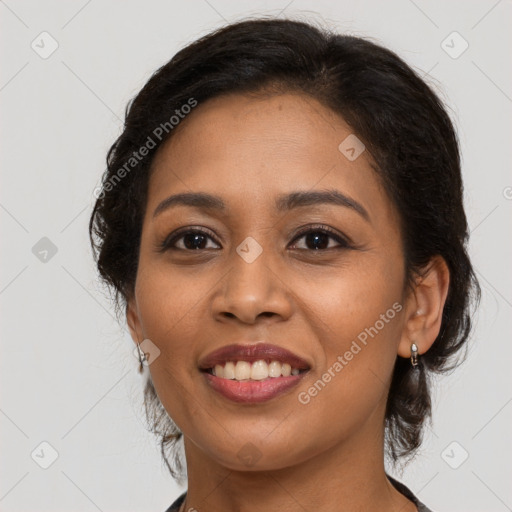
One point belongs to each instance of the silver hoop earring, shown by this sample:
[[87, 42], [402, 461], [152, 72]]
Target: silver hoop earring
[[414, 355], [141, 355]]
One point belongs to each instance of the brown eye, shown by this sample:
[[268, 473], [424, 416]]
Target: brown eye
[[190, 240], [315, 239], [319, 238]]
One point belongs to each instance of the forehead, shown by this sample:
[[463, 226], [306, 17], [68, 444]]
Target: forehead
[[235, 126], [247, 148]]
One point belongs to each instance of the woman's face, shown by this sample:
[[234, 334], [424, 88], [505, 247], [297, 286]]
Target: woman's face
[[334, 300]]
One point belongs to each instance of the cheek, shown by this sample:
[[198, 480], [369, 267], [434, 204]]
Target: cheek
[[352, 299], [167, 298], [169, 312], [172, 315], [359, 324]]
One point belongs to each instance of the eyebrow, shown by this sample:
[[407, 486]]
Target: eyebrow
[[283, 203]]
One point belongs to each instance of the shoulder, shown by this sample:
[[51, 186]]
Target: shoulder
[[177, 504], [399, 486]]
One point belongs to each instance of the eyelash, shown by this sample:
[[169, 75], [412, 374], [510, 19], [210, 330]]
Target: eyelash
[[168, 242]]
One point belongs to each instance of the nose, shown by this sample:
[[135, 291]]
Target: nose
[[253, 291]]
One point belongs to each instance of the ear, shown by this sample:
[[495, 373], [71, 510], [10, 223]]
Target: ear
[[133, 320], [424, 307]]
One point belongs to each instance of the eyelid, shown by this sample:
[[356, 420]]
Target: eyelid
[[340, 237], [176, 235]]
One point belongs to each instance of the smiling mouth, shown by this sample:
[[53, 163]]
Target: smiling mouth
[[259, 370], [248, 383]]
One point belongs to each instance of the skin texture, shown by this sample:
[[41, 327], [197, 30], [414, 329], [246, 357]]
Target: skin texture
[[326, 454]]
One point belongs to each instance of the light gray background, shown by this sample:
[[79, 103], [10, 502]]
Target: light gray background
[[68, 376]]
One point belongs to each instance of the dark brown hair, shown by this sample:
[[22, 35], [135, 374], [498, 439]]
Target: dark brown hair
[[405, 128]]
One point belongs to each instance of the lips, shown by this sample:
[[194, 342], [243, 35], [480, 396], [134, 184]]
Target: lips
[[252, 353], [250, 391]]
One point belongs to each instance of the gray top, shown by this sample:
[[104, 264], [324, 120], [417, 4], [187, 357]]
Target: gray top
[[400, 487]]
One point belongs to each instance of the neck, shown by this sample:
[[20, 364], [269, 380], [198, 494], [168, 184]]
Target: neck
[[347, 477]]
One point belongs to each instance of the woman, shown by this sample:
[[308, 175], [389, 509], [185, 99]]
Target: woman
[[282, 222]]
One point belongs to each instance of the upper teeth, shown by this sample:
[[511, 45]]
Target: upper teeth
[[259, 370]]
